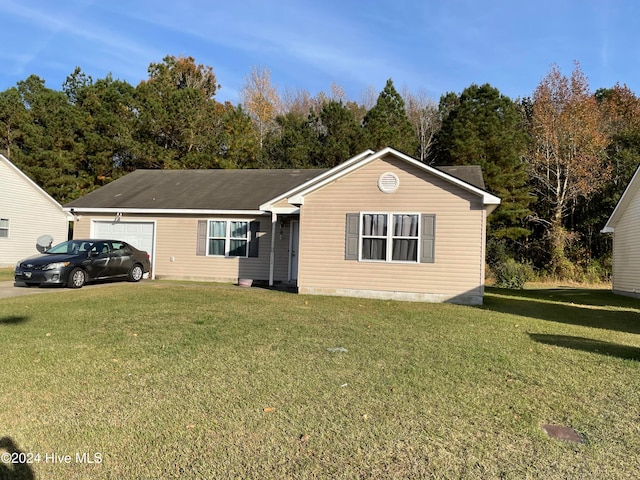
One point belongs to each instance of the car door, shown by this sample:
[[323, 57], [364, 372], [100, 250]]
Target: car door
[[121, 258], [99, 260]]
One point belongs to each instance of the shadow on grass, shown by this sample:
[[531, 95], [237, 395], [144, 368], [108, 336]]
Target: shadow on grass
[[581, 307], [11, 320], [588, 345], [600, 297], [17, 468]]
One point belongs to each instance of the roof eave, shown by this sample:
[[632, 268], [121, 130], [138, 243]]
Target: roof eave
[[152, 211]]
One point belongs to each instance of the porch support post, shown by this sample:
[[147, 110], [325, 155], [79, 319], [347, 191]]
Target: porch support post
[[272, 253]]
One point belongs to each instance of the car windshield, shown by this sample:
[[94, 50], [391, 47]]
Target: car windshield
[[71, 247]]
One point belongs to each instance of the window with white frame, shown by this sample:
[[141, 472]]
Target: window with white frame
[[388, 237], [228, 238], [4, 228]]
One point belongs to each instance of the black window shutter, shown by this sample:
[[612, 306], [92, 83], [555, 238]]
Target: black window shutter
[[351, 236], [254, 228], [201, 245], [428, 238]]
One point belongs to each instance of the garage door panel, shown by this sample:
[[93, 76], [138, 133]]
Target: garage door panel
[[138, 234]]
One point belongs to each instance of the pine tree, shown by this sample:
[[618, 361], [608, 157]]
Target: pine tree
[[483, 127], [387, 124]]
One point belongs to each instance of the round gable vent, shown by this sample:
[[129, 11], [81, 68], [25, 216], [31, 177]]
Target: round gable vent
[[388, 182]]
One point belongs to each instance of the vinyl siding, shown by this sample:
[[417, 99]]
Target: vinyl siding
[[459, 240], [30, 213], [626, 252], [175, 250]]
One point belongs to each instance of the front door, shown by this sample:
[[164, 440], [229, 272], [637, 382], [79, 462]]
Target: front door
[[293, 250]]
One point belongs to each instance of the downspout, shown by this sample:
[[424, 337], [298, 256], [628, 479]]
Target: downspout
[[272, 253]]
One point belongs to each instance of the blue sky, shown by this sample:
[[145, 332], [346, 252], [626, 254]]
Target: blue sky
[[431, 46]]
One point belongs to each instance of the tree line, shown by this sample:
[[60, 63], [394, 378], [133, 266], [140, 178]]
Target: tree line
[[559, 159]]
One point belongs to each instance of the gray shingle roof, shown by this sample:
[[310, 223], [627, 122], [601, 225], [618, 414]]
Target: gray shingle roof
[[195, 189], [471, 174], [214, 189]]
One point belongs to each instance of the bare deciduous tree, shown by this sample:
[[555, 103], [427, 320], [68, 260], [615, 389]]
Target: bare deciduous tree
[[423, 114]]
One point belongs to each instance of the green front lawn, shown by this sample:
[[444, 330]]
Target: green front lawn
[[6, 274], [184, 380]]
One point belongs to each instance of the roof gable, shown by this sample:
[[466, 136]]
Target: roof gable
[[623, 203], [471, 175], [25, 178]]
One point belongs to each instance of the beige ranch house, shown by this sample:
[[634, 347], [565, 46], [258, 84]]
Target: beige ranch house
[[379, 225], [624, 224]]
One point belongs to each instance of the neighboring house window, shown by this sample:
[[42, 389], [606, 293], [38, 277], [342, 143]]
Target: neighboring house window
[[228, 238], [4, 228], [390, 237]]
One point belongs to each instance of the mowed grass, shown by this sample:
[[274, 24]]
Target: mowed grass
[[185, 380], [6, 274]]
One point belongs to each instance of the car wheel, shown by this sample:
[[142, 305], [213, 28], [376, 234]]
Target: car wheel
[[135, 274], [77, 278]]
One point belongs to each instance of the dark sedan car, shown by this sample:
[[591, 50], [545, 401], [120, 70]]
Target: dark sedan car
[[77, 262]]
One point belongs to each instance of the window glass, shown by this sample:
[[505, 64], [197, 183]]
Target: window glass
[[405, 250], [390, 237], [405, 238], [374, 224], [239, 229], [121, 248], [217, 229], [238, 248], [65, 247], [405, 225], [374, 249], [216, 246], [374, 236], [4, 227], [228, 238]]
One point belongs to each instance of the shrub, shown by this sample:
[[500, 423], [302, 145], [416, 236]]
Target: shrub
[[511, 274]]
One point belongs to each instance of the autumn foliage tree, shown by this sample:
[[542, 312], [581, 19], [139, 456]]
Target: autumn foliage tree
[[261, 101], [566, 157]]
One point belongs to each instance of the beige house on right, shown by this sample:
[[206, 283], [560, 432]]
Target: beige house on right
[[624, 224]]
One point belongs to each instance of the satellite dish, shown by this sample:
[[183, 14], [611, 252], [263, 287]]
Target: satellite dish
[[44, 242]]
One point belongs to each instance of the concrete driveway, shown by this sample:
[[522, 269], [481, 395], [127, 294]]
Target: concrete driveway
[[9, 289]]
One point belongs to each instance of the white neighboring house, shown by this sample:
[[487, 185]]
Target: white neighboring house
[[624, 224], [26, 213]]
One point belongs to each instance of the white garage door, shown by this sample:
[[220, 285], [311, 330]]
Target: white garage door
[[138, 234]]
